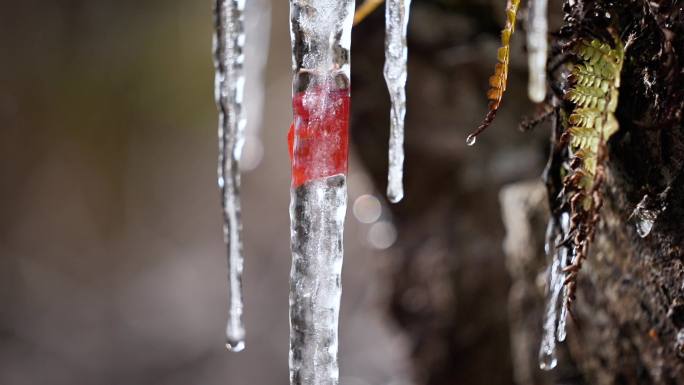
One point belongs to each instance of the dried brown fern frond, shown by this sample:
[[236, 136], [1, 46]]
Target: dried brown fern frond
[[498, 81]]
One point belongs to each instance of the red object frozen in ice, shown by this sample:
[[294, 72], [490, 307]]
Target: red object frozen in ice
[[318, 139]]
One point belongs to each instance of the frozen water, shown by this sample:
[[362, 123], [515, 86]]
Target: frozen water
[[257, 33], [567, 255], [321, 36], [537, 47], [645, 214], [396, 21], [317, 212], [320, 31], [547, 351], [229, 88]]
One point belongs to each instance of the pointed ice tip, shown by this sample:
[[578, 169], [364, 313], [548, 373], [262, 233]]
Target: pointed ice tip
[[471, 139], [536, 94], [235, 346], [548, 363], [395, 196]]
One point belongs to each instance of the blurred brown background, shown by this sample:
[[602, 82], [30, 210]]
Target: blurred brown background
[[112, 267]]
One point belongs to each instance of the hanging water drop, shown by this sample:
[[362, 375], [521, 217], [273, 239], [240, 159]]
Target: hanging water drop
[[644, 227], [229, 87], [645, 215], [396, 22], [537, 47], [471, 139], [548, 359], [318, 145]]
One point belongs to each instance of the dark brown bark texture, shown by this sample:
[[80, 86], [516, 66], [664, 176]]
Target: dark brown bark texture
[[448, 278]]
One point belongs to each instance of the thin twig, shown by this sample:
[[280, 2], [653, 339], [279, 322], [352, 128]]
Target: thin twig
[[366, 9]]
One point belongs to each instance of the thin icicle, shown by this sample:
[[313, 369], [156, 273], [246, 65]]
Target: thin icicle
[[568, 258], [554, 323], [537, 47], [318, 141], [547, 351], [257, 30], [229, 86], [396, 22], [562, 331]]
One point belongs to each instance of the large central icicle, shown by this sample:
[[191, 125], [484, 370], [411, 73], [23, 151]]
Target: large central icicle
[[537, 46], [318, 210], [318, 141], [396, 21], [229, 86]]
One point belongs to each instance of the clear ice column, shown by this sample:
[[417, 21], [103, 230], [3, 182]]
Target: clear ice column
[[547, 350], [318, 144], [396, 22], [554, 323], [229, 87], [537, 47]]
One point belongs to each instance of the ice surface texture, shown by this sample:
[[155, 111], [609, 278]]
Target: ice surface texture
[[547, 351], [396, 21], [555, 315], [321, 37], [537, 47], [317, 210], [229, 87]]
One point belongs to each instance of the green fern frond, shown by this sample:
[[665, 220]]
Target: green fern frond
[[588, 97], [588, 76], [604, 60], [595, 82]]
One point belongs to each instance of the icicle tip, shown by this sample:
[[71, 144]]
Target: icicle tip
[[395, 196], [235, 346]]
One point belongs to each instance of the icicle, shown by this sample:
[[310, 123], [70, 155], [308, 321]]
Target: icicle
[[537, 49], [396, 21], [229, 85], [257, 30], [567, 257], [561, 333], [318, 141], [547, 351]]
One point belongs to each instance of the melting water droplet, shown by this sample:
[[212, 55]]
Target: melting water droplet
[[471, 139], [547, 359], [646, 213], [644, 227], [235, 346]]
